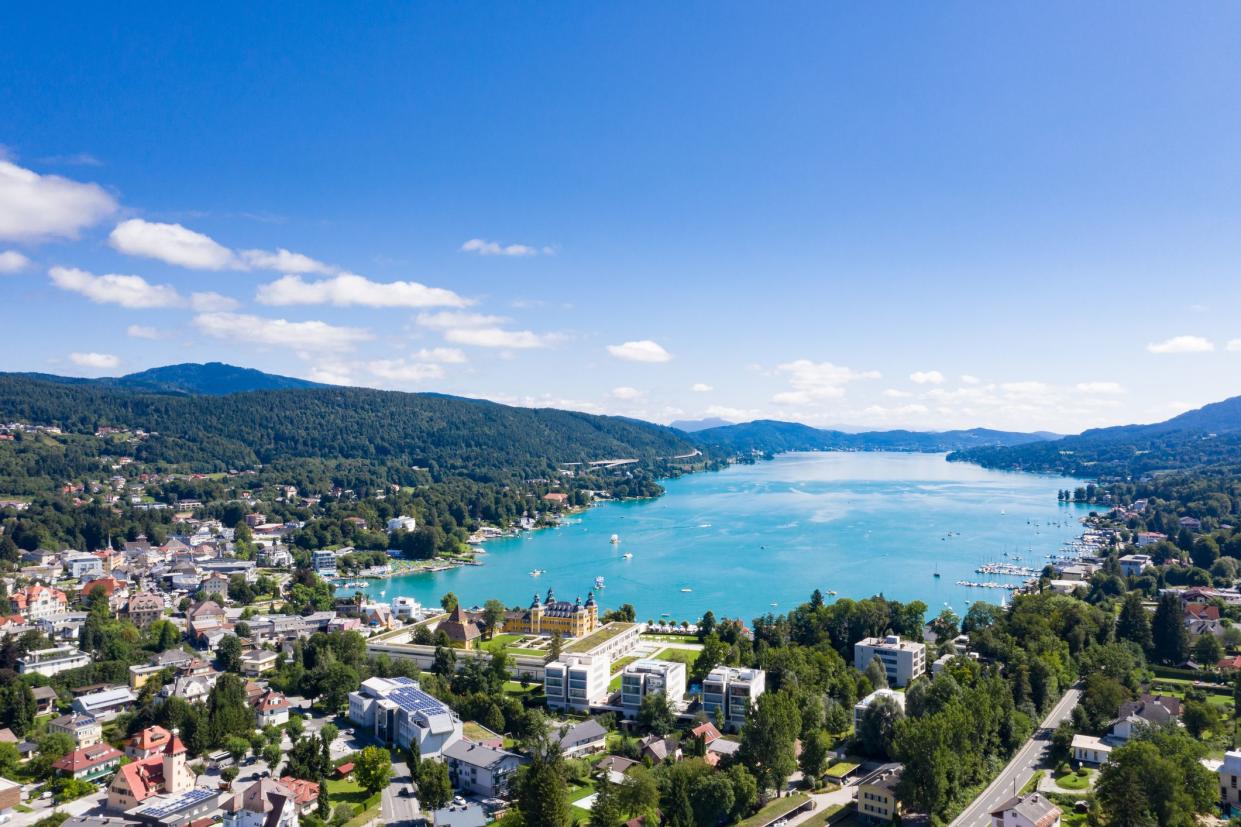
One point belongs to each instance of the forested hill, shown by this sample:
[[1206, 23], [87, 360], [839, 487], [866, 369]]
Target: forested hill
[[771, 436], [212, 378], [1207, 437], [448, 435]]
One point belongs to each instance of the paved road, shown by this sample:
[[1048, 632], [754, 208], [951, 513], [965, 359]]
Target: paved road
[[397, 808], [1020, 770]]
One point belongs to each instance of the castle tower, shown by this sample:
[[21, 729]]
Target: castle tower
[[177, 776]]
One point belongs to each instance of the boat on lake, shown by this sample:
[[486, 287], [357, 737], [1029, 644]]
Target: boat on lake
[[599, 582], [615, 539]]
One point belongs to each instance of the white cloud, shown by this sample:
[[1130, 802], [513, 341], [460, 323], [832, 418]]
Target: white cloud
[[625, 392], [893, 393], [399, 370], [171, 243], [813, 381], [1182, 344], [128, 291], [1100, 387], [37, 207], [12, 261], [98, 361], [284, 261], [1234, 345], [445, 319], [701, 387], [970, 380], [350, 289], [138, 331], [926, 377], [306, 336], [443, 355], [731, 414], [331, 373], [643, 350], [495, 248], [134, 292], [498, 337]]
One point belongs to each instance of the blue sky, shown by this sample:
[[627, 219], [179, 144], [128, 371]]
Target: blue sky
[[916, 215]]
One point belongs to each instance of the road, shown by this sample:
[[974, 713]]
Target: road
[[1020, 770], [396, 807]]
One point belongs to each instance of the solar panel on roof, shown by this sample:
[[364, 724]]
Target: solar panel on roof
[[191, 797]]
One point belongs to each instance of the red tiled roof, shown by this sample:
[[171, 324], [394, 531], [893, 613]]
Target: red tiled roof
[[303, 791], [143, 778], [344, 769], [85, 758]]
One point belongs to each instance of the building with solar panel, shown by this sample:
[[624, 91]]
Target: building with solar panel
[[397, 711], [177, 809]]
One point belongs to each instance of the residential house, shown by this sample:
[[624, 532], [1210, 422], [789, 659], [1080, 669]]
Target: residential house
[[265, 803], [151, 741], [258, 662], [659, 749], [105, 704], [10, 797], [305, 793], [213, 587], [1150, 538], [144, 608], [876, 795], [271, 708], [484, 771], [52, 661], [1131, 565], [613, 768], [35, 601], [903, 660], [581, 738], [79, 565], [1033, 810], [45, 699], [206, 620], [89, 763], [1229, 774], [1147, 711], [85, 730], [406, 608]]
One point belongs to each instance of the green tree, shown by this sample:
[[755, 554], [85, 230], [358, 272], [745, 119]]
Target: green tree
[[19, 707], [606, 810], [767, 740], [541, 790], [1156, 779], [337, 681], [237, 747], [1207, 650], [1134, 622], [493, 616], [655, 714], [1171, 639], [434, 785], [639, 793], [815, 750], [876, 673], [228, 654], [228, 713], [373, 769], [449, 602], [878, 729]]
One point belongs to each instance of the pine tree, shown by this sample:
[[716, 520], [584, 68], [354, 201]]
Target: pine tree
[[1133, 623], [1171, 639]]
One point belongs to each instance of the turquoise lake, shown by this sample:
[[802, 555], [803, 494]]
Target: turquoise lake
[[752, 536]]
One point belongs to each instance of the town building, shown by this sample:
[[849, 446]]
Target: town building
[[52, 661], [1229, 777], [271, 708], [576, 681], [265, 803], [397, 711], [163, 772], [144, 608], [406, 608], [732, 691], [80, 565], [105, 704], [482, 770], [644, 677], [192, 808], [89, 763], [903, 660], [1033, 810], [151, 741], [83, 729], [35, 602], [1131, 565], [258, 662], [859, 709], [551, 617], [459, 629], [876, 795], [323, 562]]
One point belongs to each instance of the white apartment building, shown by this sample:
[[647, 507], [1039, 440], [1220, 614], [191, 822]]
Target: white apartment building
[[324, 562], [859, 709], [402, 524], [52, 661], [903, 660], [406, 608], [1229, 778], [576, 681], [642, 677], [1131, 565], [733, 691], [81, 564], [397, 711]]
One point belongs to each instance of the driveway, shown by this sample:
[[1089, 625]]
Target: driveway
[[399, 810]]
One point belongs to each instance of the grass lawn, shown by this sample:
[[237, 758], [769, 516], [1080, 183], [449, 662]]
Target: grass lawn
[[774, 810], [515, 688], [348, 791], [841, 769], [476, 731], [501, 641], [1074, 781], [684, 656], [821, 817], [578, 791], [685, 638], [603, 635]]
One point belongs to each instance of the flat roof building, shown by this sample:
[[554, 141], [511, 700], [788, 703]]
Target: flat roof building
[[643, 677], [902, 660], [732, 691], [576, 681]]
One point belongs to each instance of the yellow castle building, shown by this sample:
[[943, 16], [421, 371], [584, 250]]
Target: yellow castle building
[[551, 616]]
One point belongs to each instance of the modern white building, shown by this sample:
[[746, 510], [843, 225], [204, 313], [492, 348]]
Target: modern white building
[[732, 691], [406, 608], [402, 524], [79, 565], [1131, 565], [397, 711], [859, 709], [52, 661], [903, 660], [324, 562], [576, 681], [642, 677], [1230, 781]]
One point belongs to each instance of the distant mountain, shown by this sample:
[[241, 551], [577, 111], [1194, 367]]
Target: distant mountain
[[690, 426], [1208, 436], [210, 379], [773, 436]]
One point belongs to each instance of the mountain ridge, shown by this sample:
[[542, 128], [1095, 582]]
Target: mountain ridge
[[195, 378]]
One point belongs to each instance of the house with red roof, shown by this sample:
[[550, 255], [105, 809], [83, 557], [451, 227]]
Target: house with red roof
[[151, 741], [36, 602], [271, 708], [305, 793], [89, 763], [165, 771]]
